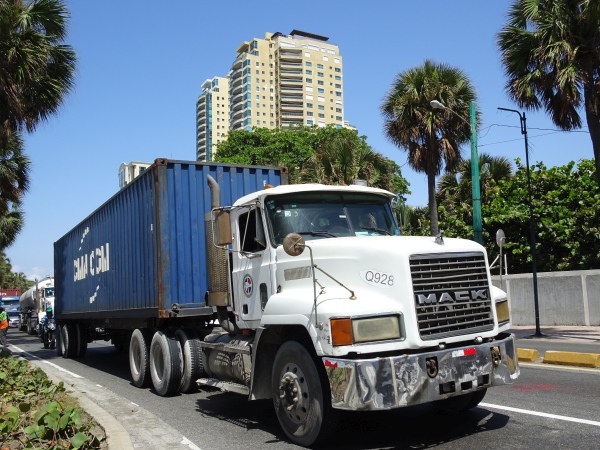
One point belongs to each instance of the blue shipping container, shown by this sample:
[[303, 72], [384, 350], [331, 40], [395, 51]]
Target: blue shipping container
[[144, 249]]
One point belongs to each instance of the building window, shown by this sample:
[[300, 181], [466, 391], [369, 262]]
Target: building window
[[309, 105], [308, 63], [321, 99], [319, 66], [309, 88], [321, 116], [309, 97], [319, 74], [337, 69], [320, 83], [338, 94], [338, 110], [321, 107], [309, 122], [338, 117], [309, 80], [307, 55], [321, 91], [308, 72], [338, 78], [309, 113], [325, 58]]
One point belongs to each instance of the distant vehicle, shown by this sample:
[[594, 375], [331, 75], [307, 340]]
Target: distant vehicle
[[13, 315], [8, 301], [33, 304], [10, 293]]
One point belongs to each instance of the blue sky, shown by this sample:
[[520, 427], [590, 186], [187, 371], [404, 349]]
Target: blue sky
[[142, 62]]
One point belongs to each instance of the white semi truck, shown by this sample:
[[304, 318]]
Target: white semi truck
[[33, 304], [313, 298]]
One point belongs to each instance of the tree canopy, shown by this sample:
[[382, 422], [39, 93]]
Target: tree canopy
[[549, 49], [325, 155]]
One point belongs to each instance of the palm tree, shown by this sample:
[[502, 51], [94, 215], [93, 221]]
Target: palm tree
[[346, 157], [455, 190], [14, 182], [36, 69], [432, 140], [550, 55]]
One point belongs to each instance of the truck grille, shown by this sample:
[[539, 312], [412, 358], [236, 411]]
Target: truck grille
[[451, 293]]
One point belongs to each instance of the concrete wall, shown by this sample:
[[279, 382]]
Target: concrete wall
[[564, 298]]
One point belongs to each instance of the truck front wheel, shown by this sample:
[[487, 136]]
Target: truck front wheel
[[301, 396], [462, 402]]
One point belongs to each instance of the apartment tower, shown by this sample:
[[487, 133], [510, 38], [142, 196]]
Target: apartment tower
[[212, 116], [280, 81]]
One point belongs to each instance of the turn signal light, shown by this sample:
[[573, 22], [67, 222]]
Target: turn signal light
[[341, 331]]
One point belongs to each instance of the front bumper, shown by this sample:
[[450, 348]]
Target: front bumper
[[406, 380]]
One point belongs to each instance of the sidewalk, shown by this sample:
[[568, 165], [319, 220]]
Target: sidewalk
[[563, 345]]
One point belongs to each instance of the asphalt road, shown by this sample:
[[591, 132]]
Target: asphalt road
[[549, 407]]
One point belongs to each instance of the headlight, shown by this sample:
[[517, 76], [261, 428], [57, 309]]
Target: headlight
[[502, 312], [355, 331]]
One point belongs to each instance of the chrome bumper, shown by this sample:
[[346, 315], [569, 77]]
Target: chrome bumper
[[398, 381]]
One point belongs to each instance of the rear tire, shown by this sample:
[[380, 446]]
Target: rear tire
[[68, 339], [461, 403], [59, 346], [301, 396], [139, 357], [81, 340], [192, 360], [30, 327], [46, 341], [22, 326], [166, 363]]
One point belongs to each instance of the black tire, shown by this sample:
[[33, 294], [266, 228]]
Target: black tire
[[53, 342], [192, 360], [46, 341], [30, 328], [139, 357], [22, 326], [81, 341], [311, 418], [461, 403], [166, 363], [68, 338], [57, 335]]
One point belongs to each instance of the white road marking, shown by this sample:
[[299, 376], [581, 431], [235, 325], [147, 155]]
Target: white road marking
[[190, 444], [541, 414], [74, 375], [559, 367]]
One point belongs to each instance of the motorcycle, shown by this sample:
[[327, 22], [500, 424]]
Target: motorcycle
[[48, 336]]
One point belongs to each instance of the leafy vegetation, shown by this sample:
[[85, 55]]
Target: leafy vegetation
[[10, 279], [566, 207], [36, 413], [326, 155], [549, 49]]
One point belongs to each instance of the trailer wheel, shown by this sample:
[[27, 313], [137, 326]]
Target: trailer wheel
[[68, 340], [166, 363], [139, 357], [301, 396], [30, 328], [59, 345], [461, 403], [80, 333], [192, 359], [22, 326]]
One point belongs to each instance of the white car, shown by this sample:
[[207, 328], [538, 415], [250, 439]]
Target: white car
[[13, 315]]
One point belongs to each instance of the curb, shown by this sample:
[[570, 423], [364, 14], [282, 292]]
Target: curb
[[563, 358]]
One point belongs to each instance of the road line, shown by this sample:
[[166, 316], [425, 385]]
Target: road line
[[23, 352], [190, 444], [541, 414], [558, 367]]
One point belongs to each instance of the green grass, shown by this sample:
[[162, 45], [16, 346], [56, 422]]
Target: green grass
[[37, 413]]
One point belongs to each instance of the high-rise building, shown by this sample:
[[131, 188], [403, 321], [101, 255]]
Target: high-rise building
[[280, 81], [212, 116], [127, 172]]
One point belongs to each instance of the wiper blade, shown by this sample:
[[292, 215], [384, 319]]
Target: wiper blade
[[378, 230], [317, 233]]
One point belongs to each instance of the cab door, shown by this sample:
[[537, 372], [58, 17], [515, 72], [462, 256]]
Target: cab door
[[251, 274]]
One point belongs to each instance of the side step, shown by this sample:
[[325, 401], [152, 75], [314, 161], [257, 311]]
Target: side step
[[225, 386]]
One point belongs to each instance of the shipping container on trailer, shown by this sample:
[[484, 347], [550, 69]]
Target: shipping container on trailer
[[142, 254]]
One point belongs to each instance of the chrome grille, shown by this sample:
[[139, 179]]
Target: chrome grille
[[451, 294]]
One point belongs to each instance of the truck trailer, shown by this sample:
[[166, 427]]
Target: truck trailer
[[225, 276]]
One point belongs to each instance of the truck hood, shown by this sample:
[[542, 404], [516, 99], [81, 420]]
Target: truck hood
[[373, 275]]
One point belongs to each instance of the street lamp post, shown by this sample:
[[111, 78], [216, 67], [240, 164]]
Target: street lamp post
[[523, 121], [475, 188]]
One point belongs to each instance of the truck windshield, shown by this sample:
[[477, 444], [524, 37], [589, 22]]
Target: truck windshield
[[49, 292], [318, 215]]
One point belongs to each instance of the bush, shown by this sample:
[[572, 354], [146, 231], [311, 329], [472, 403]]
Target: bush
[[36, 413]]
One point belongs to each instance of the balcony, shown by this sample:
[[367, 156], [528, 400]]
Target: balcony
[[291, 98], [291, 114], [237, 98], [291, 105], [285, 63]]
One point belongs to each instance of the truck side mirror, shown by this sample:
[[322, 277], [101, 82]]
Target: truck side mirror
[[222, 224], [293, 244]]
